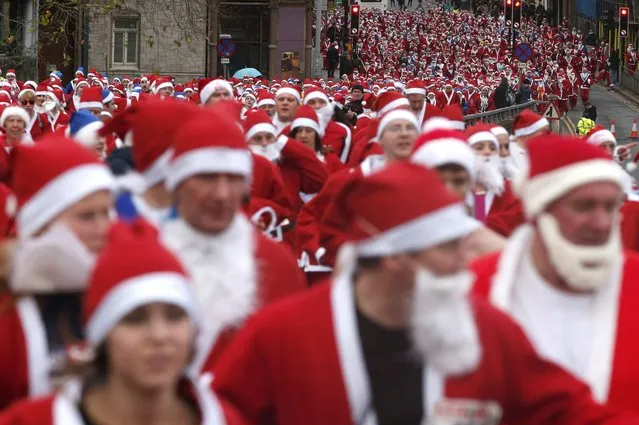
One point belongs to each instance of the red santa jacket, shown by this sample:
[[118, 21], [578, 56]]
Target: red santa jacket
[[506, 212], [630, 225], [39, 126], [623, 374], [301, 362], [63, 408], [338, 137], [444, 100]]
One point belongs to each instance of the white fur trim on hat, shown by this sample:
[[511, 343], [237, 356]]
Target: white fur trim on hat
[[11, 74], [399, 114], [305, 122], [25, 91], [602, 136], [289, 90], [158, 170], [416, 90], [265, 102], [263, 127], [438, 123], [163, 85], [423, 232], [212, 87], [88, 135], [499, 131], [164, 287], [402, 101], [87, 105], [440, 152], [536, 126], [207, 161], [483, 136], [537, 193], [316, 94], [60, 193], [109, 98], [14, 111]]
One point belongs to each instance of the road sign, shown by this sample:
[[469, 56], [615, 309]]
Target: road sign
[[523, 52], [226, 47], [623, 33], [551, 113], [225, 61]]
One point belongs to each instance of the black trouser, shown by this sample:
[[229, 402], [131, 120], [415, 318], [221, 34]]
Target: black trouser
[[331, 69]]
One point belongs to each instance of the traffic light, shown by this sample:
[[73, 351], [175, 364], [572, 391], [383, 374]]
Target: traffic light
[[517, 11], [355, 19], [624, 14]]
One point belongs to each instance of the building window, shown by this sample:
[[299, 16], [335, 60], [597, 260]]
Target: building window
[[126, 41]]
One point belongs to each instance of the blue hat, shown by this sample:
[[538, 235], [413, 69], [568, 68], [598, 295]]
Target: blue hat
[[81, 119], [80, 70], [107, 96]]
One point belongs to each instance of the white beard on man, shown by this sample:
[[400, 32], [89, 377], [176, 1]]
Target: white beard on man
[[489, 173], [270, 152], [224, 276], [324, 115]]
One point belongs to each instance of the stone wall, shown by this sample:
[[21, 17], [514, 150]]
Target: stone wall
[[171, 35]]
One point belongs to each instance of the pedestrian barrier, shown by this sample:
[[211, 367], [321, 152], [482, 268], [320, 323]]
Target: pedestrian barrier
[[502, 116]]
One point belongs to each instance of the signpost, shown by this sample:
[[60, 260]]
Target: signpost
[[225, 48]]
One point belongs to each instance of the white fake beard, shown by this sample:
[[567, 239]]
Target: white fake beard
[[56, 261], [269, 152], [442, 322], [508, 168], [39, 109], [324, 114], [584, 268], [489, 174], [223, 270]]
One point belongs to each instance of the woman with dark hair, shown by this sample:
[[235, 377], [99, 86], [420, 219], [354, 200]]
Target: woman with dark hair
[[141, 320]]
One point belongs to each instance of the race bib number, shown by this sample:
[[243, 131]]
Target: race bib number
[[465, 412]]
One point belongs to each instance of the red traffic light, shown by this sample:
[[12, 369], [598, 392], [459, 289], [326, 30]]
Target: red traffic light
[[355, 9], [623, 11], [517, 3], [509, 2]]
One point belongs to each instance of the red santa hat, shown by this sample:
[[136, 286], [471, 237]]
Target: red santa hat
[[416, 87], [212, 143], [258, 122], [134, 270], [91, 98], [306, 117], [162, 83], [600, 135], [441, 147], [481, 132], [390, 100], [455, 116], [316, 93], [14, 111], [264, 98], [374, 230], [50, 176], [498, 130], [210, 87], [559, 164], [11, 72], [290, 91], [395, 115], [528, 122]]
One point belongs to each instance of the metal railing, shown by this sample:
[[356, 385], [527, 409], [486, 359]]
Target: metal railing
[[502, 116]]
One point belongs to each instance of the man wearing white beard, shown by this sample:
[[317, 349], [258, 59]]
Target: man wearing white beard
[[335, 135], [492, 200], [564, 276], [235, 269], [507, 165], [393, 339]]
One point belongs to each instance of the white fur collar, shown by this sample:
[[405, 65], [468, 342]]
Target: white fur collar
[[279, 125], [224, 273]]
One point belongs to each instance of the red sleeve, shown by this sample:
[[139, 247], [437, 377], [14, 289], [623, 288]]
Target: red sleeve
[[269, 184], [630, 225], [280, 274], [312, 171]]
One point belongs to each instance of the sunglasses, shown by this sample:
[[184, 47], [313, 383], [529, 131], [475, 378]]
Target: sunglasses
[[27, 102]]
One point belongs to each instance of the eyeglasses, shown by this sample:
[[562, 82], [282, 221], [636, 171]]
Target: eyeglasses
[[27, 102]]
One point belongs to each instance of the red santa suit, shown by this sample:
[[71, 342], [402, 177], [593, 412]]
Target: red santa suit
[[39, 126], [631, 61], [301, 361], [230, 284], [612, 370], [63, 408], [444, 99], [585, 82]]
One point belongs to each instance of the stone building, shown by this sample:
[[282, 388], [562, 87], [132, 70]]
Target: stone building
[[169, 37]]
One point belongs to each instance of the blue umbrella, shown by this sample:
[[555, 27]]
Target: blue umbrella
[[247, 72]]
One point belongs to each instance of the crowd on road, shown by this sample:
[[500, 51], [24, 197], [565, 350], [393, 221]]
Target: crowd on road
[[326, 251]]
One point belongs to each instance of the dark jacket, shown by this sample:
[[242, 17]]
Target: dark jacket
[[500, 96]]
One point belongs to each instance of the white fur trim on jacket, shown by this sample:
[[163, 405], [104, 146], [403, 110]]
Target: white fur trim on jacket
[[538, 192]]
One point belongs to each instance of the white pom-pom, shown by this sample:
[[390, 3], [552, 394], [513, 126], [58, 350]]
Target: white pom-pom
[[631, 166], [363, 103], [11, 206]]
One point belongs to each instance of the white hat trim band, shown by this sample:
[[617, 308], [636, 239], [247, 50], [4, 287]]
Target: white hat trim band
[[536, 126], [263, 127]]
